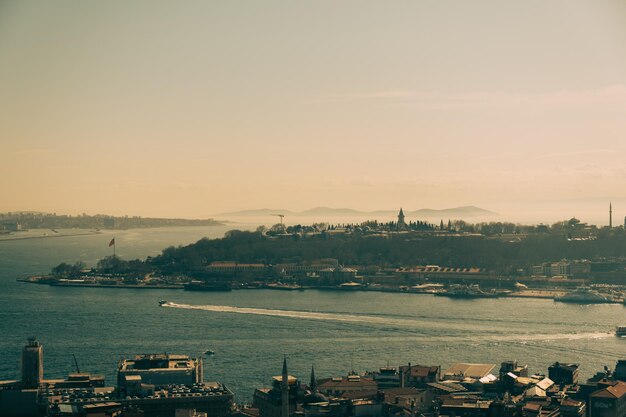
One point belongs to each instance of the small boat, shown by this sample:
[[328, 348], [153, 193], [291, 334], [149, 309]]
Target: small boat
[[620, 331], [209, 352], [465, 291], [162, 302], [585, 295]]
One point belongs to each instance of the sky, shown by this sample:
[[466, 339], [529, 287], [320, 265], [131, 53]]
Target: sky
[[191, 108]]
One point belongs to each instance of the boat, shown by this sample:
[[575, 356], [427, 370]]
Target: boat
[[207, 286], [620, 331], [351, 286], [162, 303], [283, 286], [466, 291], [209, 352], [585, 295]]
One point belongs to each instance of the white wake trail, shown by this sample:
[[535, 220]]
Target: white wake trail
[[290, 313], [456, 330]]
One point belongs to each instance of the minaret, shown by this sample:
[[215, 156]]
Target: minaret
[[610, 215], [401, 219], [285, 391], [313, 383]]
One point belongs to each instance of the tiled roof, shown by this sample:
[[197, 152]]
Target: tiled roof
[[616, 391]]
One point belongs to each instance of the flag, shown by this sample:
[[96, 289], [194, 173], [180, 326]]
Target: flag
[[112, 242]]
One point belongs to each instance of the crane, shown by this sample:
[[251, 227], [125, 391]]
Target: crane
[[282, 216]]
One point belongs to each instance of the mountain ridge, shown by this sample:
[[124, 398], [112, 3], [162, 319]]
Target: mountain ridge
[[467, 211]]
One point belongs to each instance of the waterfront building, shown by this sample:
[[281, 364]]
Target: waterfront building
[[11, 226], [542, 270], [83, 394], [225, 267], [563, 374], [159, 370], [561, 268], [32, 364], [620, 370], [108, 222]]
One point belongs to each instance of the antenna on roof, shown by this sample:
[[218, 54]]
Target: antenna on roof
[[76, 363], [352, 364]]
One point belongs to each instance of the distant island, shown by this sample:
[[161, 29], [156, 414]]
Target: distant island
[[18, 221], [455, 212]]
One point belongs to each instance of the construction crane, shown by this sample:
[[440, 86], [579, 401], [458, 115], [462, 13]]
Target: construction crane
[[282, 216]]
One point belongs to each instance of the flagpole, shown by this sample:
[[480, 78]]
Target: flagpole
[[114, 243]]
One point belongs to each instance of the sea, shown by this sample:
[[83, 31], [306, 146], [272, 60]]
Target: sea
[[251, 330]]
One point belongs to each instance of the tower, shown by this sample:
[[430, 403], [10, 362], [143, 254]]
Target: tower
[[32, 363], [401, 222], [284, 388], [610, 215]]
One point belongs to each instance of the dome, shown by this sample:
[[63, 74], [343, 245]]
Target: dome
[[314, 398]]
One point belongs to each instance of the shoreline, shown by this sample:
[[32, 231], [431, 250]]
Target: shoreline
[[530, 293], [55, 235]]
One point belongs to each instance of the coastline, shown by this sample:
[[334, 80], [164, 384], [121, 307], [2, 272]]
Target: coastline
[[11, 237], [530, 293]]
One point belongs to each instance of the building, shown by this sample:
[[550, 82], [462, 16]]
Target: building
[[211, 398], [609, 401], [27, 397], [159, 370], [466, 406], [561, 268], [32, 364], [563, 374], [339, 386], [387, 378], [138, 395], [512, 367], [460, 371], [108, 222], [419, 375], [620, 370], [281, 399], [11, 226]]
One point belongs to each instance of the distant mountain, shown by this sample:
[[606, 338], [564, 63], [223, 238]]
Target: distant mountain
[[256, 212], [329, 211], [456, 212], [465, 211]]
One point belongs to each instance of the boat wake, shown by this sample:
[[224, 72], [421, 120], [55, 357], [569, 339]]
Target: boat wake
[[452, 330], [290, 314]]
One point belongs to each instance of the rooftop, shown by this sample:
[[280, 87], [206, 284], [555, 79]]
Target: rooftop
[[472, 370]]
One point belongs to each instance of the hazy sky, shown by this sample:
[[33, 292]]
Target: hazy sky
[[188, 108]]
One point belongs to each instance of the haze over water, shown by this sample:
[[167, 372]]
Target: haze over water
[[250, 330]]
